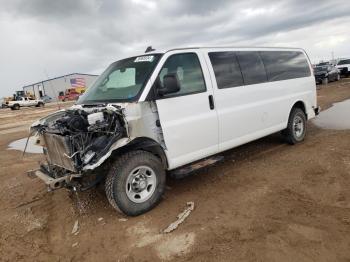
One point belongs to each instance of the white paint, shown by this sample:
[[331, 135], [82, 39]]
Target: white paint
[[189, 127], [242, 114]]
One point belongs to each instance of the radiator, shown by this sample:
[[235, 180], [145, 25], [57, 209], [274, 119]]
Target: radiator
[[59, 150]]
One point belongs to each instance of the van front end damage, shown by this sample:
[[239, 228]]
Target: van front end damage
[[77, 141]]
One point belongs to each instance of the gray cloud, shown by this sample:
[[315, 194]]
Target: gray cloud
[[86, 35], [54, 9]]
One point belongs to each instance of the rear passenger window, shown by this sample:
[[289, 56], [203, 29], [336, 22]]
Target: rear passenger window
[[283, 65], [226, 69], [252, 67]]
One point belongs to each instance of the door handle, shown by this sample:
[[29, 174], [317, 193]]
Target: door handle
[[211, 102]]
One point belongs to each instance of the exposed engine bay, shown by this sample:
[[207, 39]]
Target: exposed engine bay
[[81, 138], [78, 140]]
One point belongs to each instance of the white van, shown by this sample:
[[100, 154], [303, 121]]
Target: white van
[[168, 113]]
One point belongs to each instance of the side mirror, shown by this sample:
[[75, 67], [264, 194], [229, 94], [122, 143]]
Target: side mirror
[[170, 85]]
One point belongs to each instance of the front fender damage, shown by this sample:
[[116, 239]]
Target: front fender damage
[[78, 141]]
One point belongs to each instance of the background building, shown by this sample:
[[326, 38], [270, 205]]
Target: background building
[[52, 87]]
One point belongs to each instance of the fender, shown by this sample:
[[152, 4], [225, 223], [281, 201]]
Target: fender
[[126, 144]]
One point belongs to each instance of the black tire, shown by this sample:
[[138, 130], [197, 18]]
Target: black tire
[[15, 107], [291, 133], [338, 77], [119, 175], [325, 81], [40, 104]]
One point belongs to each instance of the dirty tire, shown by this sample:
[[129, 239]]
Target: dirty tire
[[15, 107], [338, 77], [40, 104], [325, 81], [290, 133], [116, 182]]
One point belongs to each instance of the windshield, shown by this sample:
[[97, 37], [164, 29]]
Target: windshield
[[344, 62], [122, 81]]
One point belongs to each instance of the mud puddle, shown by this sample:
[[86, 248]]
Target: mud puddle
[[21, 143], [336, 117]]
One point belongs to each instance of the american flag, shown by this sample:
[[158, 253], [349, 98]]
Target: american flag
[[77, 82]]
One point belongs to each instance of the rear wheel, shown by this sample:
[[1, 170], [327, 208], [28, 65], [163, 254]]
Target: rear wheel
[[135, 183], [40, 104], [296, 129], [325, 81], [338, 77], [15, 107]]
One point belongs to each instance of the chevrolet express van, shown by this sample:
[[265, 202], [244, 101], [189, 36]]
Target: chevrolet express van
[[168, 112]]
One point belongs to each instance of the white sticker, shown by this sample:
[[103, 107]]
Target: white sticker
[[147, 58]]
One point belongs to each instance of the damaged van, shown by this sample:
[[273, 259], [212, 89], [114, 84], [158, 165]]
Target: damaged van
[[172, 112]]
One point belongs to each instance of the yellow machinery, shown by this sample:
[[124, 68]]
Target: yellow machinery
[[18, 94]]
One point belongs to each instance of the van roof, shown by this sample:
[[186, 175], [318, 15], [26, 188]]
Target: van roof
[[221, 47]]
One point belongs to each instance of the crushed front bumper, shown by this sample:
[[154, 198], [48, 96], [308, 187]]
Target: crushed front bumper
[[52, 183]]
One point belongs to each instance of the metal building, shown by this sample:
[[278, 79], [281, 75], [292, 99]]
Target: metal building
[[52, 87]]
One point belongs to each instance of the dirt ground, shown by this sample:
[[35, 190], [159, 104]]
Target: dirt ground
[[267, 201]]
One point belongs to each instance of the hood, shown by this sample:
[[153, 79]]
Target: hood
[[56, 115]]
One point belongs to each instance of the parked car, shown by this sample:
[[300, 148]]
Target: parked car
[[323, 63], [24, 102], [326, 73], [170, 112], [343, 66]]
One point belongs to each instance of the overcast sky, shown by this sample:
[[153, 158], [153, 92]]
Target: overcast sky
[[49, 38]]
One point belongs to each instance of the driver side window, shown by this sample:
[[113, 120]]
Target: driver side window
[[188, 70]]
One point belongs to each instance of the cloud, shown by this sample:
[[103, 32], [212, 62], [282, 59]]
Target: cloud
[[86, 35]]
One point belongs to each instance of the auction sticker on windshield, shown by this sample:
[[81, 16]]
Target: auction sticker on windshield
[[148, 58]]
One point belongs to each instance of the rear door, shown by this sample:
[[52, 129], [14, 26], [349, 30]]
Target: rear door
[[188, 118], [240, 94]]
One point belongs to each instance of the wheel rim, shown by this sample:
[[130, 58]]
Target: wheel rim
[[298, 126], [141, 184]]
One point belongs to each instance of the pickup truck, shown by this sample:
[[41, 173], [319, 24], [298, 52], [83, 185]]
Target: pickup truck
[[343, 66], [24, 102]]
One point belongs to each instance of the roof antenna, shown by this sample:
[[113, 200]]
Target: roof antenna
[[149, 49]]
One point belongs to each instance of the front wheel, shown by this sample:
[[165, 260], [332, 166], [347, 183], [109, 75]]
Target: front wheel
[[296, 128], [135, 183]]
